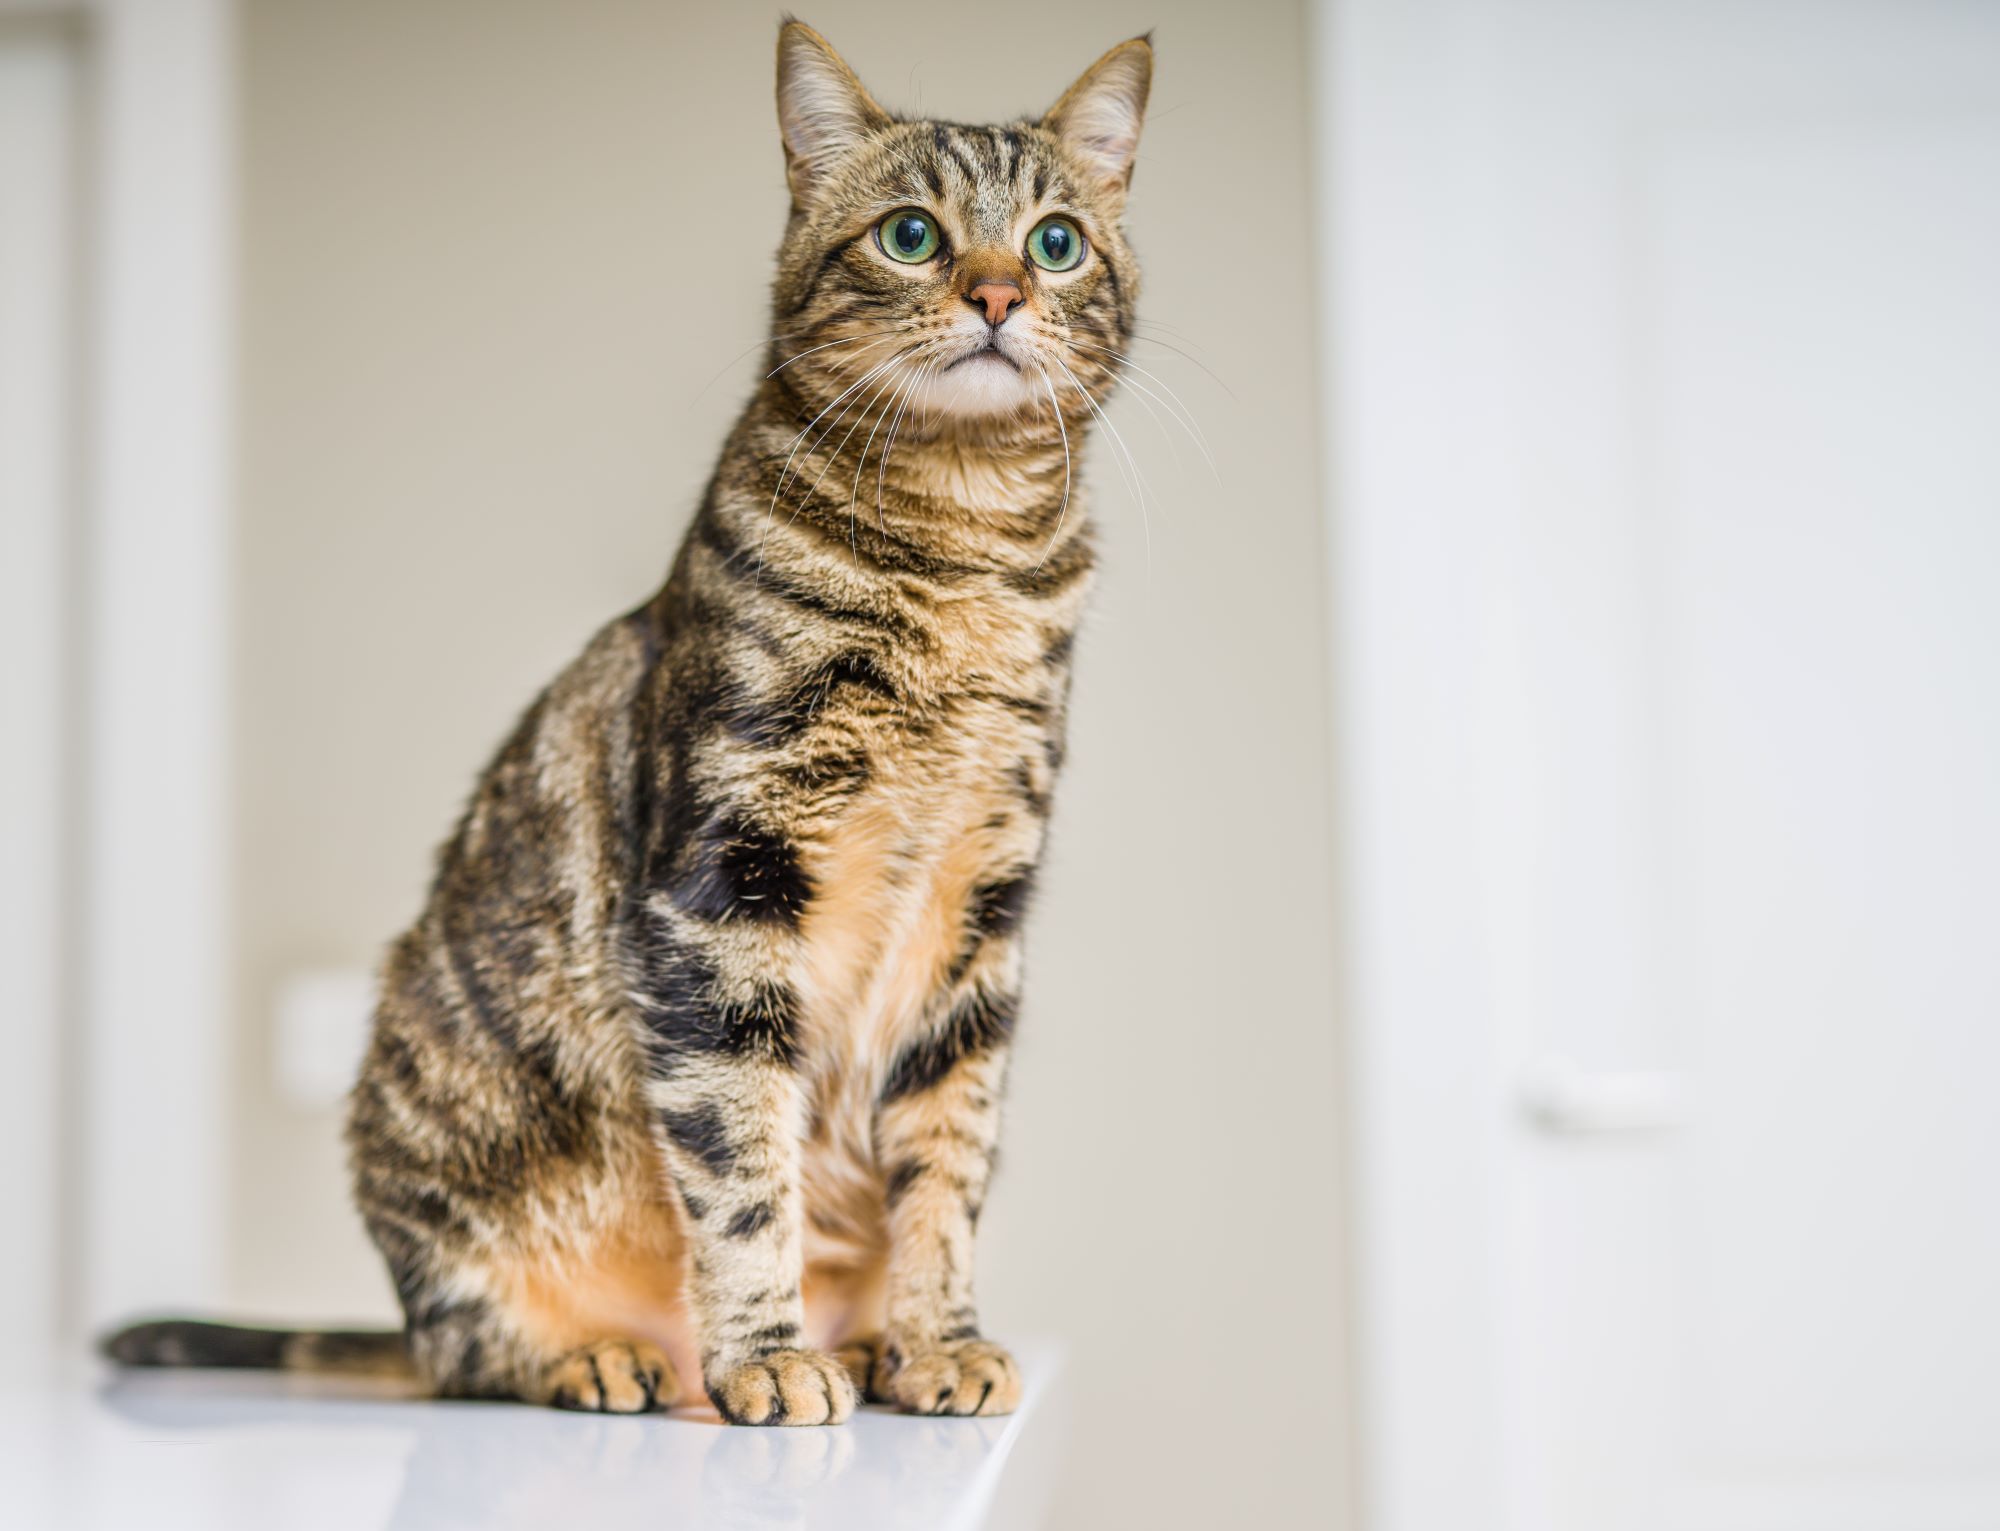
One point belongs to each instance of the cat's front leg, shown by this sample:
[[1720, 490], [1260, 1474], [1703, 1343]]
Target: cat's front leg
[[727, 1104], [937, 1125]]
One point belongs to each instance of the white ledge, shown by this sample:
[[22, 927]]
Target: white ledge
[[231, 1451]]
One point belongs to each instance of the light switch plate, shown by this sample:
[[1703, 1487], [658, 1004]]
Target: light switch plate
[[323, 1016]]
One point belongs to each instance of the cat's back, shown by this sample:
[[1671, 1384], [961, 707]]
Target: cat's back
[[499, 1021]]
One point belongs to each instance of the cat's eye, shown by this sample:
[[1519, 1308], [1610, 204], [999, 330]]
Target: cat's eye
[[1056, 244], [908, 236]]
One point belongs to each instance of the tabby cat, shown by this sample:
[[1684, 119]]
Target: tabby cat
[[692, 1065]]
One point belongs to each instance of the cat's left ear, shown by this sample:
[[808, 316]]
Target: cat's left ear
[[1100, 115], [823, 109]]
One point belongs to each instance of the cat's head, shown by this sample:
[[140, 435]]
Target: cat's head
[[969, 273]]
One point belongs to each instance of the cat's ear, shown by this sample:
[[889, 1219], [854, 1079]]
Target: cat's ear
[[1100, 115], [823, 110]]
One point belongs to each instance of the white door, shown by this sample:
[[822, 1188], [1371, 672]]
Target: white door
[[115, 149], [1666, 450]]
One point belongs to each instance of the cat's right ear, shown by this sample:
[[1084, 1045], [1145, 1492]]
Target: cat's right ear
[[823, 109], [1101, 114]]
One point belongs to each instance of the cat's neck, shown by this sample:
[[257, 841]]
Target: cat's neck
[[980, 472], [983, 490]]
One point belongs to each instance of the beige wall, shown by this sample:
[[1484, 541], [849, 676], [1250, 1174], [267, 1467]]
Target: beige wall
[[495, 257]]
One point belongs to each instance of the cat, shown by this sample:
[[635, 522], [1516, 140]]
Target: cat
[[692, 1066]]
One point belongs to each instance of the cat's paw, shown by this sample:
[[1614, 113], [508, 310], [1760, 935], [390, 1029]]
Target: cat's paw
[[613, 1377], [786, 1387], [857, 1358], [953, 1377]]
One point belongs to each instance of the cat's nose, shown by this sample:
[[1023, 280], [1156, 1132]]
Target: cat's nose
[[996, 299]]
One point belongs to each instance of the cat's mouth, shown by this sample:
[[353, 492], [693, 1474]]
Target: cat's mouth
[[984, 378], [987, 350]]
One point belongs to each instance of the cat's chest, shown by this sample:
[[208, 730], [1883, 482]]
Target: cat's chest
[[895, 879], [895, 869]]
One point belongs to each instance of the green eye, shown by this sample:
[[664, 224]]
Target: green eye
[[1056, 244], [908, 236]]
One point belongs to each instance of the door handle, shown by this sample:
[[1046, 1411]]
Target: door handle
[[1566, 1100]]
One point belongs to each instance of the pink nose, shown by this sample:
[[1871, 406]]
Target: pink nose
[[997, 299]]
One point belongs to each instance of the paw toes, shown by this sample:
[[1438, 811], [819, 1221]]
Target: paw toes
[[615, 1377], [926, 1385], [787, 1387], [747, 1396], [991, 1384], [967, 1377], [857, 1358]]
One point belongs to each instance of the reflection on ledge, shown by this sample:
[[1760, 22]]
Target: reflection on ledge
[[313, 1451]]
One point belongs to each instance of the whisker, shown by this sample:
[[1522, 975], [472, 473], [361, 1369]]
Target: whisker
[[1159, 422], [1161, 324], [1183, 414], [861, 382], [888, 446], [840, 366], [874, 374], [1145, 397], [1191, 359], [814, 488], [759, 342], [1136, 481], [846, 340], [1139, 328], [1142, 395], [1063, 509], [784, 474], [854, 488]]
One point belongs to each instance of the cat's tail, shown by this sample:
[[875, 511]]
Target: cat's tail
[[189, 1342]]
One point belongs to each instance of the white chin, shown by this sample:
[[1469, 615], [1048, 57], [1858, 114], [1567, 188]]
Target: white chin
[[980, 385]]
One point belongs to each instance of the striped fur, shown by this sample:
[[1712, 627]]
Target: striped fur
[[692, 1066]]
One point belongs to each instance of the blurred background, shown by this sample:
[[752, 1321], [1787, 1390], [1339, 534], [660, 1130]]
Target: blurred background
[[1543, 1074]]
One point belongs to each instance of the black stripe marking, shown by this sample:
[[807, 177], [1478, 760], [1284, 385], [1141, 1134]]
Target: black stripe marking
[[827, 262], [998, 907], [474, 990], [901, 1179], [736, 869], [1024, 783], [685, 1014], [1056, 573], [772, 1337], [977, 1024], [957, 152], [703, 1133], [772, 723]]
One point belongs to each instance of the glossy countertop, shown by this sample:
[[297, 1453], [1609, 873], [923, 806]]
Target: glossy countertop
[[228, 1451]]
